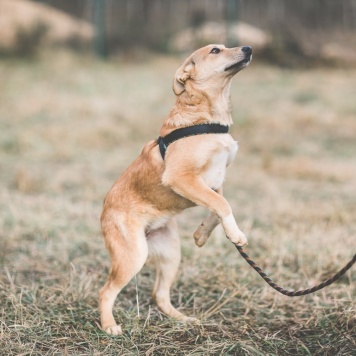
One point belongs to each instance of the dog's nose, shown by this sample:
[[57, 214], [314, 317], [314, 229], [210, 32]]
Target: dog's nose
[[246, 49]]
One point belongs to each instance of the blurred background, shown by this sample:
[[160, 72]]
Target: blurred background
[[285, 31], [84, 84]]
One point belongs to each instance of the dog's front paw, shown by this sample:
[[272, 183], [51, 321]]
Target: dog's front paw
[[234, 234], [238, 239], [113, 330], [200, 236]]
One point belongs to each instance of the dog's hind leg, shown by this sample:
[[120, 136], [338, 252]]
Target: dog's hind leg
[[164, 249], [128, 255]]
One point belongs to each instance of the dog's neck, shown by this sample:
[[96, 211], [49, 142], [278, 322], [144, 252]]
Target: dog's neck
[[197, 105]]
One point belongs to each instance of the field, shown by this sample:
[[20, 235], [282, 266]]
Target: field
[[69, 125]]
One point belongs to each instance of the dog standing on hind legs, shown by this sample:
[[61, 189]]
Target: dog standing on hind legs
[[138, 218]]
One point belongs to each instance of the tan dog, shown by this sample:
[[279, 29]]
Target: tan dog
[[138, 218]]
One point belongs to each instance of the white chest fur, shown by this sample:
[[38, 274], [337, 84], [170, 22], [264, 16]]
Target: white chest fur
[[214, 175]]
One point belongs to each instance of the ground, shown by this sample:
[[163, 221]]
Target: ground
[[69, 125]]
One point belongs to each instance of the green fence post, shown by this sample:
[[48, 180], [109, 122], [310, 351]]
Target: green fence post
[[99, 24], [231, 18]]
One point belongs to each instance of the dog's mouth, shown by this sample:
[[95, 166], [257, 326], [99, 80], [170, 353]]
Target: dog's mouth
[[240, 64]]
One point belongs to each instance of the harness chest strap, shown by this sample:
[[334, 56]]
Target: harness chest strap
[[201, 129]]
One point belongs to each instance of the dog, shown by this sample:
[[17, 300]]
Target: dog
[[138, 217]]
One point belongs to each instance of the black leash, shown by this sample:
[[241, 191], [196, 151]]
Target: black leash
[[294, 293]]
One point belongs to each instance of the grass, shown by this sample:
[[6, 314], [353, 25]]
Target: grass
[[70, 125]]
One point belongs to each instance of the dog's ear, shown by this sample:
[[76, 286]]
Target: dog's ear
[[182, 75]]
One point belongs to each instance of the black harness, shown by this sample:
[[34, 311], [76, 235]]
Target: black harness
[[201, 129]]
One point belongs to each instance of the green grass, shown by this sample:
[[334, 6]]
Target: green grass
[[70, 125]]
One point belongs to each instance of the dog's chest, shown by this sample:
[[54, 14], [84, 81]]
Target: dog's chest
[[214, 175]]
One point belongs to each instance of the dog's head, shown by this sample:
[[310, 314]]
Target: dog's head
[[210, 66]]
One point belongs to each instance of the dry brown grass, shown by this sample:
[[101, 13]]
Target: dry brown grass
[[70, 125]]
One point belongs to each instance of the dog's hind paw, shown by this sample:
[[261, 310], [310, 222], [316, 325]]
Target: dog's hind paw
[[191, 320], [114, 330]]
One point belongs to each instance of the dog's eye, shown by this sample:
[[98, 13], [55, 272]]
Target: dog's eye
[[215, 50]]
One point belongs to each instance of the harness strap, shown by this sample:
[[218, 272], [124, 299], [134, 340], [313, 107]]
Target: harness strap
[[201, 129]]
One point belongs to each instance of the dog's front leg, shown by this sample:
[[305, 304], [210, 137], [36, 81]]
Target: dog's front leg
[[203, 232], [194, 188]]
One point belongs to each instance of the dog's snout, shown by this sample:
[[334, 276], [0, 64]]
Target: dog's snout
[[246, 49]]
